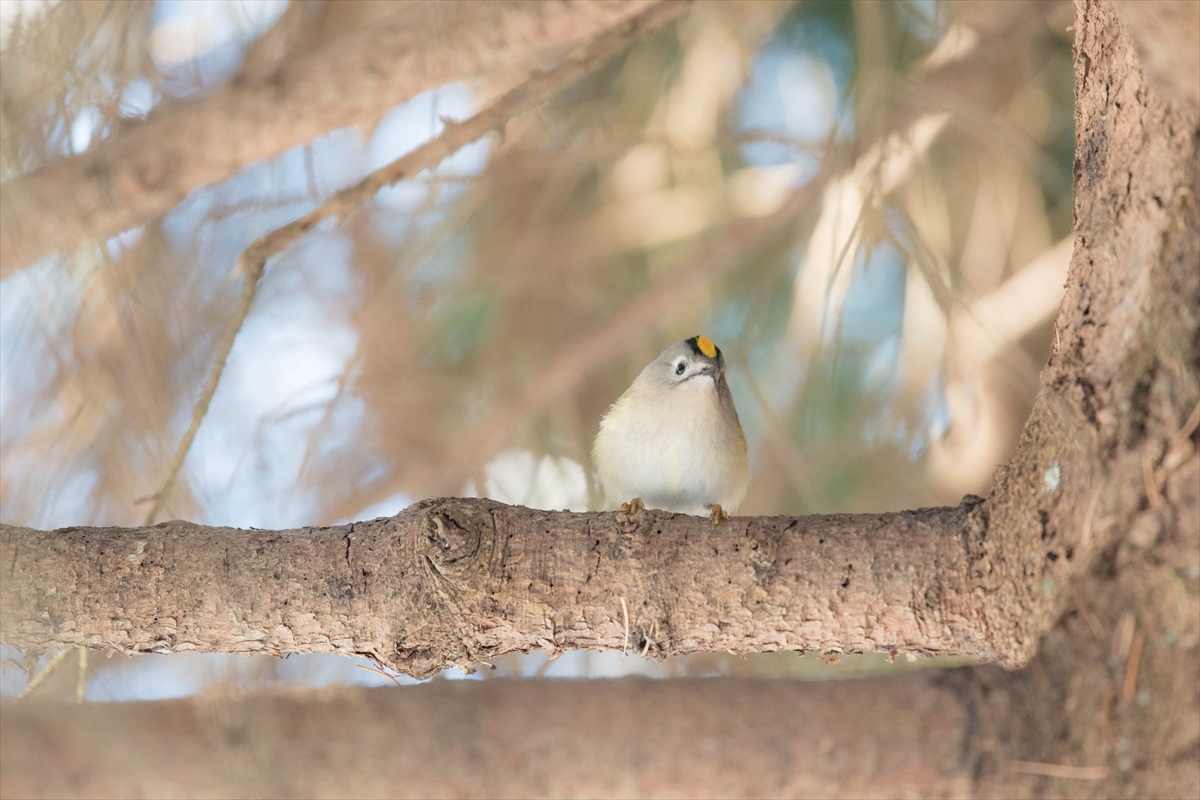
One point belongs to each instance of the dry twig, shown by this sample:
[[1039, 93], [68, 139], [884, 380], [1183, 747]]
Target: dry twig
[[540, 87], [387, 675], [37, 679], [147, 168], [577, 360]]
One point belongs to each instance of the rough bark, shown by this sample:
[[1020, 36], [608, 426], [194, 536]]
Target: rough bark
[[1099, 511], [144, 170], [1116, 681], [506, 738], [1122, 377], [458, 581]]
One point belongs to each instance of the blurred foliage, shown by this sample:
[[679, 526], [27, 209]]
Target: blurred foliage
[[723, 176]]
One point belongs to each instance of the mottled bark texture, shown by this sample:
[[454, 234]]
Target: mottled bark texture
[[144, 170], [505, 738], [458, 581], [1097, 516], [1122, 377], [1116, 680]]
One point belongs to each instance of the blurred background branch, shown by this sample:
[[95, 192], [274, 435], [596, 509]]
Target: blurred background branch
[[528, 95], [867, 204], [832, 191], [144, 168], [733, 738], [1164, 32]]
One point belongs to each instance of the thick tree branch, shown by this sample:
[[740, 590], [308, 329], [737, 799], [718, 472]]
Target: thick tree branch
[[1108, 463], [142, 171], [1123, 374], [509, 738], [459, 581]]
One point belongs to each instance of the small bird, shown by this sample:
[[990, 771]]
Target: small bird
[[673, 440]]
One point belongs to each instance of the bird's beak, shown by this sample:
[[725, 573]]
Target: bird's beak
[[711, 369]]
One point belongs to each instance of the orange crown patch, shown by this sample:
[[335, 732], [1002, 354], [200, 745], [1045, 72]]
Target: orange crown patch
[[706, 346]]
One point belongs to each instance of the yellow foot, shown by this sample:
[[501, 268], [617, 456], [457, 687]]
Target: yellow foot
[[717, 515], [633, 506]]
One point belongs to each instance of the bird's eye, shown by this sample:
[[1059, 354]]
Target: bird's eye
[[680, 367]]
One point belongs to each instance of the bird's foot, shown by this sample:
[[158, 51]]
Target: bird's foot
[[717, 514], [634, 506]]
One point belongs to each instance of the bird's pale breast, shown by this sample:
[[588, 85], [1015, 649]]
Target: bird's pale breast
[[669, 450]]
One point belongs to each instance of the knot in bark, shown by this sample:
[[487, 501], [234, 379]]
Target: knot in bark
[[449, 541]]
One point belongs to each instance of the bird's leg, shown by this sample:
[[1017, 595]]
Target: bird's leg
[[633, 506], [717, 514]]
